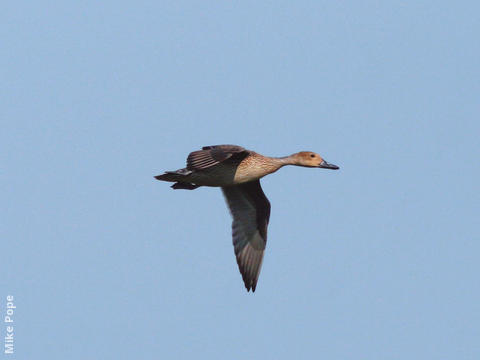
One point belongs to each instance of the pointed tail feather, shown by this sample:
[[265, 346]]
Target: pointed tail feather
[[174, 176], [167, 177]]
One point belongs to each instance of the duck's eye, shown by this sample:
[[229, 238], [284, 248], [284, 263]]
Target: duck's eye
[[312, 155]]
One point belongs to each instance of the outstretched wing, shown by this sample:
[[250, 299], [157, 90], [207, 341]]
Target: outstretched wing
[[213, 155], [250, 210]]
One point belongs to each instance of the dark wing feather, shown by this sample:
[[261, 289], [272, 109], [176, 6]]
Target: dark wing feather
[[213, 155], [250, 210]]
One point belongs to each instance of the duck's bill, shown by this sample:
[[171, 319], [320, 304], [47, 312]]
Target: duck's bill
[[326, 165]]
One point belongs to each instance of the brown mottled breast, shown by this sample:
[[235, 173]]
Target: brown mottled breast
[[254, 167]]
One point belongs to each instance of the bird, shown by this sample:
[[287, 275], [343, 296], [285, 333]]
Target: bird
[[237, 171]]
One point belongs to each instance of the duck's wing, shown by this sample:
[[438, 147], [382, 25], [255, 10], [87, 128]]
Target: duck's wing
[[250, 210], [213, 155]]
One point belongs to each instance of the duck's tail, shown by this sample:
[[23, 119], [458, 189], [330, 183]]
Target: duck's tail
[[167, 177], [178, 177]]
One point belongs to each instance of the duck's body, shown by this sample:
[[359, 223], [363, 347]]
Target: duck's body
[[237, 171], [224, 165]]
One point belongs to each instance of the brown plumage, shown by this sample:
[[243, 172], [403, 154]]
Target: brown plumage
[[238, 171]]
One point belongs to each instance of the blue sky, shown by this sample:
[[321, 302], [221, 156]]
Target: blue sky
[[378, 260]]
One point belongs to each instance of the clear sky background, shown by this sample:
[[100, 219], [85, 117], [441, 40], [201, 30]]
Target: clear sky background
[[379, 260]]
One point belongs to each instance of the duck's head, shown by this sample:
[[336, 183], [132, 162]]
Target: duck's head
[[311, 159]]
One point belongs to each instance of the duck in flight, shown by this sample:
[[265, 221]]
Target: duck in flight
[[238, 172]]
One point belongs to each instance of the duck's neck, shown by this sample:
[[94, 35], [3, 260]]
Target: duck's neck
[[285, 160], [268, 164]]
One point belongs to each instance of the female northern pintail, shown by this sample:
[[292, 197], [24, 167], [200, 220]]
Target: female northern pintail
[[238, 172]]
